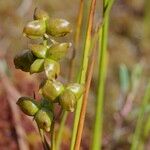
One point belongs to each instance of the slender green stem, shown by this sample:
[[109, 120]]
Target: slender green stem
[[76, 40], [71, 70], [139, 125], [147, 19], [52, 134], [42, 137], [60, 131], [44, 142], [83, 71], [103, 35], [85, 98]]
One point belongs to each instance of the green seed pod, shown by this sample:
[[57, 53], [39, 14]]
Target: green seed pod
[[76, 88], [40, 14], [57, 27], [38, 50], [51, 89], [35, 29], [28, 105], [37, 66], [67, 100], [52, 68], [44, 118], [23, 60], [57, 51]]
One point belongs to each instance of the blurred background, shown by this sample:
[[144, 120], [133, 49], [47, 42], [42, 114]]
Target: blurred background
[[127, 74]]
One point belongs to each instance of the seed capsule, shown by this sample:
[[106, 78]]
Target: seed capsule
[[44, 119], [23, 60], [35, 29], [58, 51], [76, 88], [38, 50], [51, 89], [67, 100], [57, 27], [40, 14], [52, 68], [28, 105], [37, 66]]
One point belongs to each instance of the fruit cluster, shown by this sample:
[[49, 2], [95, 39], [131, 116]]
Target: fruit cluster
[[45, 57]]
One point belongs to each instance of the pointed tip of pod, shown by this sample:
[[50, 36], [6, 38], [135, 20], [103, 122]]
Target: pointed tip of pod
[[40, 14]]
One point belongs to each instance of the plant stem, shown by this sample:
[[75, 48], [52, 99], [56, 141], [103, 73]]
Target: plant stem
[[103, 35], [139, 125], [52, 134], [147, 19], [84, 66], [44, 142], [60, 131], [71, 70], [79, 22], [76, 40], [84, 104]]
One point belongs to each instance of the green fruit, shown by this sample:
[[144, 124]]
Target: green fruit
[[37, 66], [28, 105], [38, 50], [44, 118], [51, 89], [35, 29], [52, 68], [76, 88], [23, 60], [40, 14], [57, 27], [57, 51], [67, 100]]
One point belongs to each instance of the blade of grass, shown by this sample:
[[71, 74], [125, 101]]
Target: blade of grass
[[147, 19], [83, 71], [76, 40], [139, 124], [90, 72], [103, 35], [84, 104]]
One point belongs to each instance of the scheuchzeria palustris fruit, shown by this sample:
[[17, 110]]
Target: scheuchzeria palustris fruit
[[45, 57], [28, 105], [44, 119]]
